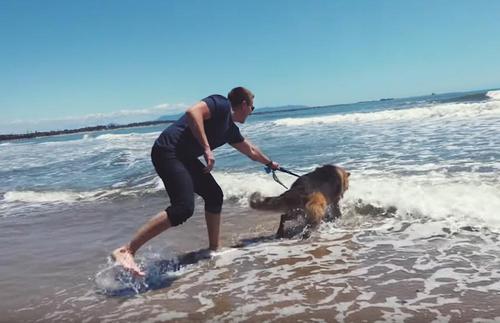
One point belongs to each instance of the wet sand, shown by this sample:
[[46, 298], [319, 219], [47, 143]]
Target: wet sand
[[360, 269]]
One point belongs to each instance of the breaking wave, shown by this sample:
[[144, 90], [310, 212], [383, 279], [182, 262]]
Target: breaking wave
[[465, 202], [441, 111]]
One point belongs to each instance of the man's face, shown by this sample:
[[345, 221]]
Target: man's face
[[248, 107], [251, 107]]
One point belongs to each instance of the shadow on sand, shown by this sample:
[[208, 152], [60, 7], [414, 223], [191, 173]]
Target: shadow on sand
[[115, 281]]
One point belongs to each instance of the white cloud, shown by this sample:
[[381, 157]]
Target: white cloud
[[119, 117]]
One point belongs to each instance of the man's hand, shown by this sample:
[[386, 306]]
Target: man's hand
[[209, 159], [273, 165]]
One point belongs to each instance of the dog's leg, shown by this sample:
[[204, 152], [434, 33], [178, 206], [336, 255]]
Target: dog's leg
[[296, 216], [280, 233], [307, 233], [315, 209], [336, 211]]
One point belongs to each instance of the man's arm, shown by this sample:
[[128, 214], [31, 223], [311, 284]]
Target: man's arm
[[254, 153], [196, 115]]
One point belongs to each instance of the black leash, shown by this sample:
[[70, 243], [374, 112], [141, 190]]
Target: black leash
[[287, 171], [275, 177]]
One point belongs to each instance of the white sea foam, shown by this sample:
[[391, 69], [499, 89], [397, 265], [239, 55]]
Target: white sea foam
[[60, 197], [441, 111], [129, 137], [95, 137], [494, 95], [465, 202], [111, 136], [46, 197]]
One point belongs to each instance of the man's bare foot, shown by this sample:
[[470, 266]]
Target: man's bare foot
[[124, 257]]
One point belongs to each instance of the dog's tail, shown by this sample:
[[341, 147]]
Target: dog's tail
[[260, 202], [315, 208]]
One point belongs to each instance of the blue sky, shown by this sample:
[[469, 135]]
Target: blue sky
[[67, 63]]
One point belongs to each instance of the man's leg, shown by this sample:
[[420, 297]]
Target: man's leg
[[213, 228], [206, 186], [178, 183], [125, 254]]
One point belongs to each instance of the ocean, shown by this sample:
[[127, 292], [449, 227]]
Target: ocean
[[418, 240]]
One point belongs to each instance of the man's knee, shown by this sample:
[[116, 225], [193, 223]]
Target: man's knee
[[178, 214], [214, 200]]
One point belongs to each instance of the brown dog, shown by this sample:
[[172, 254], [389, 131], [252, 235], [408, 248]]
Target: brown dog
[[307, 199]]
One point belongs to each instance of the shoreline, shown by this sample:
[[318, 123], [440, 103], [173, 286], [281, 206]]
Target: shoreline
[[37, 134]]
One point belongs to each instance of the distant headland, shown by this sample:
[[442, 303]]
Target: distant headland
[[111, 126]]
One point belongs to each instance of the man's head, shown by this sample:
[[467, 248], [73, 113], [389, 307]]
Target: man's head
[[241, 102]]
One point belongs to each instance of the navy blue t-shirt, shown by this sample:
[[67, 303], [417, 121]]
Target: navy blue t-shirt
[[178, 140]]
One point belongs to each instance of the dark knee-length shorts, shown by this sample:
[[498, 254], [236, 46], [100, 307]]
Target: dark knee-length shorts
[[182, 178]]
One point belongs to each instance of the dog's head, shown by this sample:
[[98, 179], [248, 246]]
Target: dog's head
[[331, 180], [344, 179]]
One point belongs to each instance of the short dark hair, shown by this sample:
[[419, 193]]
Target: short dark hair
[[239, 94]]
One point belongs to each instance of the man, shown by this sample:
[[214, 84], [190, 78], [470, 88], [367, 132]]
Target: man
[[205, 126]]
